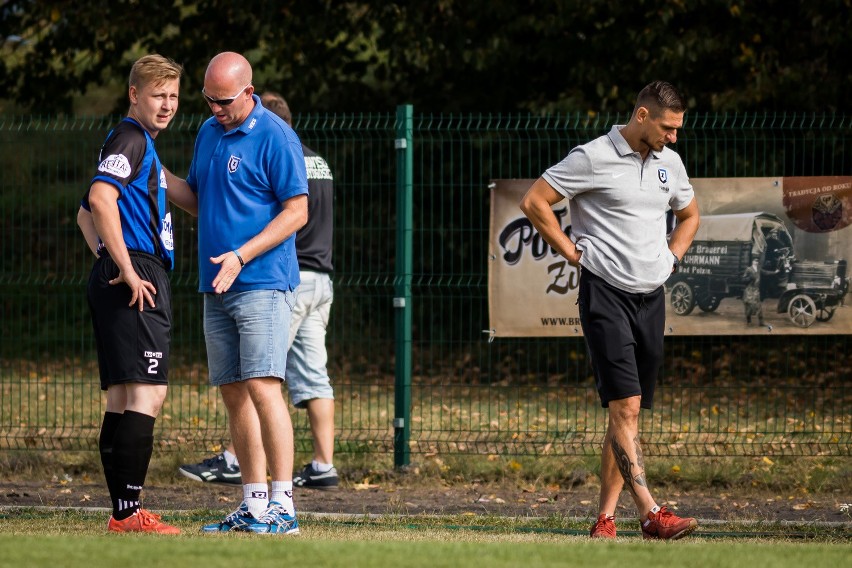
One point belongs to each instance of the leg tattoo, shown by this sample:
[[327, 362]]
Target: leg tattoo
[[623, 462], [640, 464], [625, 466]]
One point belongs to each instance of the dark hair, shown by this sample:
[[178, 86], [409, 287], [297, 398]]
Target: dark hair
[[659, 96], [276, 103]]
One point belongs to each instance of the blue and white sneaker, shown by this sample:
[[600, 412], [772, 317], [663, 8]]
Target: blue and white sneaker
[[276, 520], [240, 520]]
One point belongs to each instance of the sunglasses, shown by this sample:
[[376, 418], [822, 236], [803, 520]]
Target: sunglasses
[[224, 102]]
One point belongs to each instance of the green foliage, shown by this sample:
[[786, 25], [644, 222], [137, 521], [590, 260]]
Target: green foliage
[[446, 56]]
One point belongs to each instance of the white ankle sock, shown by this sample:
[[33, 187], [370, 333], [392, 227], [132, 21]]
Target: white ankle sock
[[321, 467], [256, 497], [230, 459], [282, 492]]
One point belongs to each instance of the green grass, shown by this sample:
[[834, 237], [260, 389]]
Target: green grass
[[70, 538]]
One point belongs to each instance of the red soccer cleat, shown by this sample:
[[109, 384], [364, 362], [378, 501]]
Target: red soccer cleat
[[604, 527], [141, 521], [665, 525]]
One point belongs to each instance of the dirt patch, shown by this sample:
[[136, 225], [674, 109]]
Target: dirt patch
[[417, 496]]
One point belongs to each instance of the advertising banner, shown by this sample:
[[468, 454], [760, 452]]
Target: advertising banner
[[770, 256]]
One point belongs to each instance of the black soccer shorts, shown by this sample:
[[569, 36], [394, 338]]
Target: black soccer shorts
[[133, 346], [624, 336]]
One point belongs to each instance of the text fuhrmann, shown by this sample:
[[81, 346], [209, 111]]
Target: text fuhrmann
[[703, 259]]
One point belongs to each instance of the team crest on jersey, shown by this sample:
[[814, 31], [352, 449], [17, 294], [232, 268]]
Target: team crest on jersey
[[662, 175], [163, 183], [233, 163], [115, 165]]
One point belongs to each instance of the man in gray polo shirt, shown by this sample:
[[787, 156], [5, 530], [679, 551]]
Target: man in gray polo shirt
[[620, 187]]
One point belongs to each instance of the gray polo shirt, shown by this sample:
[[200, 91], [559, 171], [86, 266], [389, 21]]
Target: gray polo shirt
[[618, 208]]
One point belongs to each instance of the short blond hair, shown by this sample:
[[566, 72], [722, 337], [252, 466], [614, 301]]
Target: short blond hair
[[154, 69]]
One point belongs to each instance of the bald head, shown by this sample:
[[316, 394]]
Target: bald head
[[228, 89], [228, 67]]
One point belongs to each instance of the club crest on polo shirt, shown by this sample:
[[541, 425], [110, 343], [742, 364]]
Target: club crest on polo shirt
[[233, 163], [116, 165], [663, 176]]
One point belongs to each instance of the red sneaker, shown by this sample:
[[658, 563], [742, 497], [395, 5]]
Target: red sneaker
[[141, 521], [604, 527], [665, 525]]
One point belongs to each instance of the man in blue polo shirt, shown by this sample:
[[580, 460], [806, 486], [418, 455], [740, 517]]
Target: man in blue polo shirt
[[308, 382], [248, 171], [620, 187]]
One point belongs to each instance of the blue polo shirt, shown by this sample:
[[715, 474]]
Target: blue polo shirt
[[128, 161], [242, 177]]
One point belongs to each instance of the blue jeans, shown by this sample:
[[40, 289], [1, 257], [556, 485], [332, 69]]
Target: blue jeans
[[307, 360], [247, 334]]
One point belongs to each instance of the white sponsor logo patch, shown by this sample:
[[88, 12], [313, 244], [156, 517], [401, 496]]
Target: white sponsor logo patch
[[166, 234], [163, 183], [233, 163], [317, 168], [117, 165]]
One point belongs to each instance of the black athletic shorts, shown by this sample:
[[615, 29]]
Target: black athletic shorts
[[133, 346], [624, 336]]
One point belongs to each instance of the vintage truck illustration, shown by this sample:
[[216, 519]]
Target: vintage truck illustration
[[713, 267]]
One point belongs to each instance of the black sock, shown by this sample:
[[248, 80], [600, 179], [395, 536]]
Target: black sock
[[131, 454], [105, 442]]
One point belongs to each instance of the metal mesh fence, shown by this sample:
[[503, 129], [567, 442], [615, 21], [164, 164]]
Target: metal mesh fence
[[721, 395]]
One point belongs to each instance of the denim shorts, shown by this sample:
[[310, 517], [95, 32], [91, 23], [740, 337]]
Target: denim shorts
[[247, 334], [307, 360]]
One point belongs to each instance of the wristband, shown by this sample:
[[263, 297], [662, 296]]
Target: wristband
[[239, 257]]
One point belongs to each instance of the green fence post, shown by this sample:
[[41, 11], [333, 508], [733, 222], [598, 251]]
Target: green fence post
[[402, 287]]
